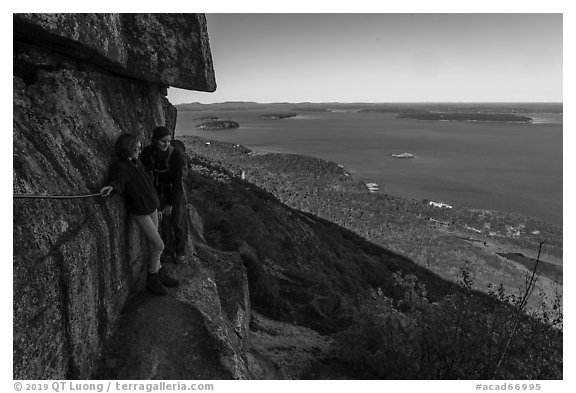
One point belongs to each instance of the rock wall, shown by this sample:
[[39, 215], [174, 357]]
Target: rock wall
[[80, 80], [169, 49]]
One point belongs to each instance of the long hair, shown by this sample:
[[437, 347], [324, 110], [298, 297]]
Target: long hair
[[126, 145]]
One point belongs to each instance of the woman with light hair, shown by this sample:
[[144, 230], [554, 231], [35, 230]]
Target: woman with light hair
[[130, 178]]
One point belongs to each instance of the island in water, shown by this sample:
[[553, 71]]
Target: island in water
[[218, 125], [277, 116]]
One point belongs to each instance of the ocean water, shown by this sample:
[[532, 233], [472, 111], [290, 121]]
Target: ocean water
[[499, 166]]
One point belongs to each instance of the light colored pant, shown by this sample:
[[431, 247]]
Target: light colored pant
[[148, 224]]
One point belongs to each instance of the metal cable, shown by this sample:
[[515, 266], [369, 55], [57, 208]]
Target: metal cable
[[30, 196]]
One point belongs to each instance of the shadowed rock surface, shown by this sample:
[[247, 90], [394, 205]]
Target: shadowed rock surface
[[80, 80], [168, 49], [198, 331]]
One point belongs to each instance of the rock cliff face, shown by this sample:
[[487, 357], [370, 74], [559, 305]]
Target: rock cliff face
[[168, 49], [80, 80]]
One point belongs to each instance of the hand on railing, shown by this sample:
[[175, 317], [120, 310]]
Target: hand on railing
[[106, 191]]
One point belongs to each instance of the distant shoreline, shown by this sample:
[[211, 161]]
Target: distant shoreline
[[261, 150], [264, 150], [468, 117], [295, 138], [314, 184], [390, 107]]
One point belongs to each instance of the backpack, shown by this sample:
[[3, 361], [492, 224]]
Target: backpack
[[159, 168], [179, 145]]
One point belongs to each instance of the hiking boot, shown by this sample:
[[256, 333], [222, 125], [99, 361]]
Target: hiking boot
[[166, 279], [154, 285]]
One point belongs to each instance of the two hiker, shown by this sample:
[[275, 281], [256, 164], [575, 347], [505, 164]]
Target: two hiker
[[151, 182]]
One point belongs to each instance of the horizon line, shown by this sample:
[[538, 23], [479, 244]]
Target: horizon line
[[372, 102]]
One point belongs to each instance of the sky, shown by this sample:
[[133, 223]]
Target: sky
[[384, 57]]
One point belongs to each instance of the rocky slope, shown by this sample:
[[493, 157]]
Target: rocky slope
[[370, 309], [326, 302], [499, 248]]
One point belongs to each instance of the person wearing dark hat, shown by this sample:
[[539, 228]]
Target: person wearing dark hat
[[166, 165]]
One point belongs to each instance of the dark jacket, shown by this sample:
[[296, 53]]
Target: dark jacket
[[132, 179], [167, 172]]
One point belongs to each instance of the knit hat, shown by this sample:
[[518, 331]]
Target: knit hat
[[160, 132]]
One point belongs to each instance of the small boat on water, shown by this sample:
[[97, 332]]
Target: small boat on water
[[403, 155]]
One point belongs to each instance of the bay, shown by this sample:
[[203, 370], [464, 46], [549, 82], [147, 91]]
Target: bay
[[510, 167]]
